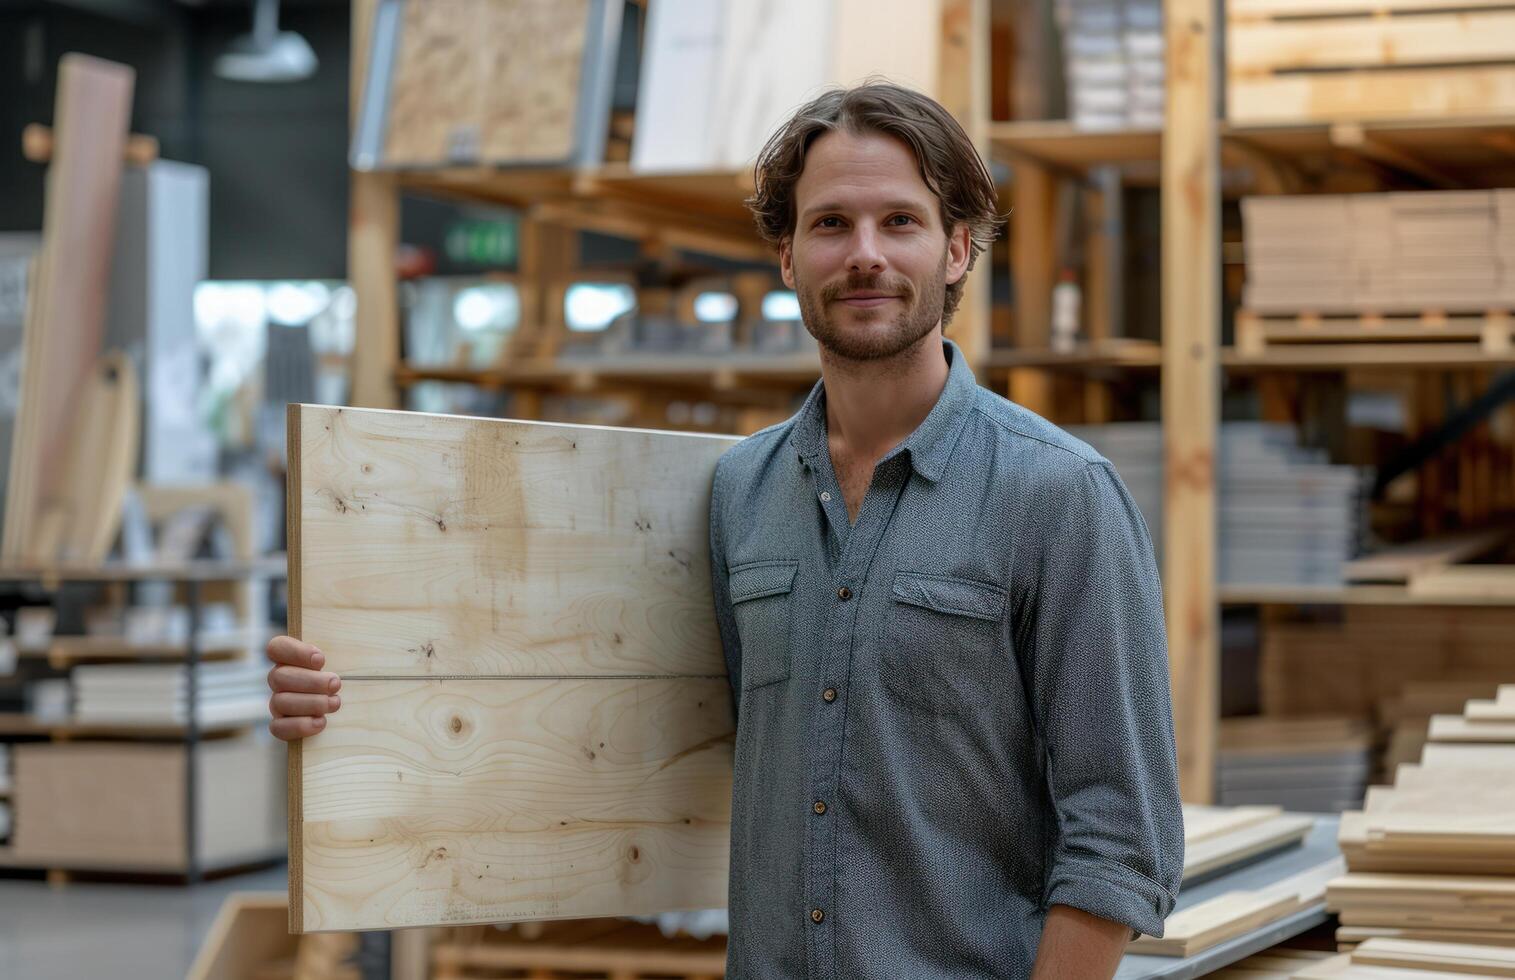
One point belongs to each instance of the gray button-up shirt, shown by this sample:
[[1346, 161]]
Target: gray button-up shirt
[[950, 715]]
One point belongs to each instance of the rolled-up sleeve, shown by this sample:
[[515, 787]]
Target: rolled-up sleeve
[[1101, 696], [720, 587]]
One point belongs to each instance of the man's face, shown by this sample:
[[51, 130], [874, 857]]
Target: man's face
[[869, 258]]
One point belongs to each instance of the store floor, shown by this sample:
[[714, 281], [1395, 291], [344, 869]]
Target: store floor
[[122, 931]]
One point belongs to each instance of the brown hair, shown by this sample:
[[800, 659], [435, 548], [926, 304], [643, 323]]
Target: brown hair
[[949, 164]]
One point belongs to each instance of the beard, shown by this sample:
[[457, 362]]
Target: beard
[[873, 335]]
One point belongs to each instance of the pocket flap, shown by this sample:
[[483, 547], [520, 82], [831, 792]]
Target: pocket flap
[[762, 578], [954, 596]]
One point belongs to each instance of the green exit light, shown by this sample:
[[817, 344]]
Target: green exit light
[[482, 242]]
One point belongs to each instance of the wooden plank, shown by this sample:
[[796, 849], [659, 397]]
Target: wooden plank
[[1406, 954], [1476, 937], [1202, 823], [373, 238], [1190, 386], [80, 515], [548, 732], [1240, 845], [1399, 562], [1256, 9], [958, 42], [1351, 96], [65, 320], [1455, 728], [1232, 914], [1033, 194], [899, 41], [1484, 581], [1363, 42], [248, 933]]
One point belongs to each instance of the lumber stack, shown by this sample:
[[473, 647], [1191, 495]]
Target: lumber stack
[[1217, 838], [1446, 250], [1317, 764], [1405, 719], [1214, 921], [1433, 856], [1113, 51]]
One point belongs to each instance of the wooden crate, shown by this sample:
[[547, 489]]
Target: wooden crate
[[119, 806], [1292, 61]]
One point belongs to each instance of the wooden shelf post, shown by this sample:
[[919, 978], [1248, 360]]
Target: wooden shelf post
[[1190, 386]]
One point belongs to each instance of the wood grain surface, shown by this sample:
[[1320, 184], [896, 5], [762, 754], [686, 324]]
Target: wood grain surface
[[536, 721]]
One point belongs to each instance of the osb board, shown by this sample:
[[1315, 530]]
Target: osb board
[[65, 318], [483, 80], [536, 721]]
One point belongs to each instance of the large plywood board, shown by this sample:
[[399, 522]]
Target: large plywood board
[[536, 721], [487, 81]]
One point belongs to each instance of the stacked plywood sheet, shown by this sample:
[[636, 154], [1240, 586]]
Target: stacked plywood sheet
[[1209, 923], [151, 694], [1287, 516], [1113, 52], [1219, 838], [1366, 253], [1305, 764], [1405, 719], [1433, 856]]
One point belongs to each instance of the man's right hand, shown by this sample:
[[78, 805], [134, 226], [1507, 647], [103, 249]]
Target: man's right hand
[[303, 693]]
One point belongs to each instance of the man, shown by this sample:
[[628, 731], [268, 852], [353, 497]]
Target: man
[[940, 613]]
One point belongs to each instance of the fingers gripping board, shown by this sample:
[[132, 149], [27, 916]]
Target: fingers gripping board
[[536, 721]]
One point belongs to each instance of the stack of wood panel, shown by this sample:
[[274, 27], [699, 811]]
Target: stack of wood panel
[[1278, 963], [1217, 838], [1433, 857], [1315, 765], [1447, 250]]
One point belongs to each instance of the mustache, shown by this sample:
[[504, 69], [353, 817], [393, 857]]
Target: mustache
[[896, 285]]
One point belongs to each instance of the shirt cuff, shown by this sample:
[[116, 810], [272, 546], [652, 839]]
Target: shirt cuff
[[1111, 891]]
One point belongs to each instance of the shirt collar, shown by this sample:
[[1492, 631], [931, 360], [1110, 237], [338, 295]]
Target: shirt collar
[[929, 446]]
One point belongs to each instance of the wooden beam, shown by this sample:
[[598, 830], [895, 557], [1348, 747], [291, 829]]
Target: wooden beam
[[536, 719], [964, 91], [1033, 269], [1190, 383], [373, 237], [1352, 137]]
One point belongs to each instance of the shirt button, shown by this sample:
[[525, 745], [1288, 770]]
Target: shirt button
[[828, 695], [844, 593], [820, 806], [826, 496], [816, 915]]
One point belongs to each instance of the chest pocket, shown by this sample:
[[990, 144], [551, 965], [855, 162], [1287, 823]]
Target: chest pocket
[[941, 652], [760, 594]]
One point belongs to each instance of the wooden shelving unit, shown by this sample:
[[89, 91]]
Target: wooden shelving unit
[[1193, 160], [201, 788]]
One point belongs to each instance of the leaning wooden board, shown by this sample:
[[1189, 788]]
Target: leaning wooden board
[[65, 317], [536, 721]]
